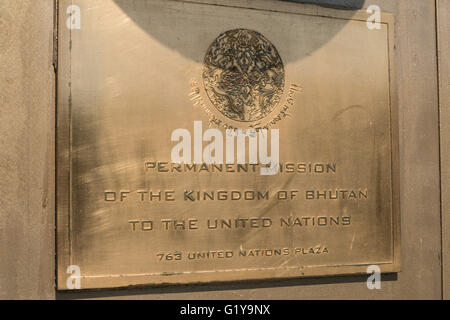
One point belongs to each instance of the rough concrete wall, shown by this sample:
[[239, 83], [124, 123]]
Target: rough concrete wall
[[26, 149], [420, 187], [443, 15]]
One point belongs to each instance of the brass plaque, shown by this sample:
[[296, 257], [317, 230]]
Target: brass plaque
[[205, 141]]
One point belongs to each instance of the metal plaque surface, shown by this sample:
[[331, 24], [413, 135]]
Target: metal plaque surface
[[205, 141]]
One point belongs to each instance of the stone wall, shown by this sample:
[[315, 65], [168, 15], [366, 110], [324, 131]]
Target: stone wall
[[27, 126]]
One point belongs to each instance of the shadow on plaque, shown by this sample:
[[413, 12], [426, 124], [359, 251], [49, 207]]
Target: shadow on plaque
[[135, 9]]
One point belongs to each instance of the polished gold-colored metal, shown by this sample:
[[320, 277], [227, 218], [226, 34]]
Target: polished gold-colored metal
[[135, 71]]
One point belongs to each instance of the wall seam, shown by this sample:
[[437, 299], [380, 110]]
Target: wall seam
[[437, 21]]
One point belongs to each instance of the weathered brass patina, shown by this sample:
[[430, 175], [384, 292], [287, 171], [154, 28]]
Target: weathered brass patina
[[136, 71]]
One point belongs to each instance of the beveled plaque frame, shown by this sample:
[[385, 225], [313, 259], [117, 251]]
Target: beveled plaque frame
[[64, 168]]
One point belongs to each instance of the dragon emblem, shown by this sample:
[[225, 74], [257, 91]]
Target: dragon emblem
[[243, 75]]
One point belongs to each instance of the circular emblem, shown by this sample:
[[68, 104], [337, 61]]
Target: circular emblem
[[243, 75]]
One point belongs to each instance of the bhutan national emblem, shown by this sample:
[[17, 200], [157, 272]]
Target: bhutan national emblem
[[243, 75]]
